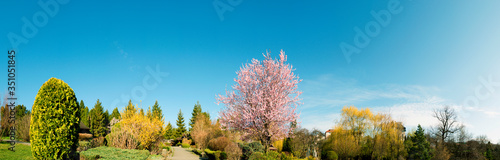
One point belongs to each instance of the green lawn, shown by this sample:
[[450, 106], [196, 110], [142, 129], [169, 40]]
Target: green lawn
[[21, 152], [24, 152], [8, 139], [104, 153]]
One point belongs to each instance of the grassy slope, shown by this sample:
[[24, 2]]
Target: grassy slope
[[22, 152]]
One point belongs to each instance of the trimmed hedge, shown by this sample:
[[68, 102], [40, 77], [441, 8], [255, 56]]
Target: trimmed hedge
[[55, 121], [215, 155]]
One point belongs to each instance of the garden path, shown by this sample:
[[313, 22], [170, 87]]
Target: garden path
[[184, 154]]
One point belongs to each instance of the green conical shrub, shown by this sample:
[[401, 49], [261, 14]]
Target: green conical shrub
[[55, 121]]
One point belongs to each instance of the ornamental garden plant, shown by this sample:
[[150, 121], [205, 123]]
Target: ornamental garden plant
[[55, 121]]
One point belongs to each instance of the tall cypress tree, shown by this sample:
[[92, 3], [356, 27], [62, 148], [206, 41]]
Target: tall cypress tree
[[156, 111], [97, 120], [196, 112], [106, 118], [169, 131], [115, 114], [180, 125], [84, 114]]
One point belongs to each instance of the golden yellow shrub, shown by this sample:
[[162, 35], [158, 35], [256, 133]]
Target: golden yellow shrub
[[143, 129], [278, 145]]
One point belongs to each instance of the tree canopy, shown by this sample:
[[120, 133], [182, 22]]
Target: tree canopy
[[264, 99]]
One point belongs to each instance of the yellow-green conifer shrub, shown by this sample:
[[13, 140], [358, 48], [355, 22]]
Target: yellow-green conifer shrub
[[54, 121]]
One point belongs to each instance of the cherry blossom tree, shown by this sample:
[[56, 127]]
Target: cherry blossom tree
[[264, 100]]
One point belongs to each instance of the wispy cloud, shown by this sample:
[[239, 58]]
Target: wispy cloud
[[328, 90], [325, 96]]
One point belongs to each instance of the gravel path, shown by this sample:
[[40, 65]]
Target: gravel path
[[183, 154]]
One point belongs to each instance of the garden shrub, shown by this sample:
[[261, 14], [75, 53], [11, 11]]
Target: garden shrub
[[278, 145], [55, 121], [325, 147], [97, 142], [136, 131], [222, 155], [121, 138], [196, 151], [331, 155], [310, 158], [256, 147], [273, 155], [270, 155], [187, 141], [215, 155], [210, 154], [156, 147], [176, 142], [84, 145], [285, 156], [287, 145], [233, 151], [205, 130], [250, 148], [218, 144], [185, 145], [246, 151], [257, 156], [23, 128]]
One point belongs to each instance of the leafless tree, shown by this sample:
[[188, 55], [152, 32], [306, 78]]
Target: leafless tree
[[483, 139], [448, 123], [463, 135]]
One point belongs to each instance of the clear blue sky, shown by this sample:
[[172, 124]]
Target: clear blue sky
[[429, 54]]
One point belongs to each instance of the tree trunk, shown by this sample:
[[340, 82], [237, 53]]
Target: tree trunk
[[266, 141]]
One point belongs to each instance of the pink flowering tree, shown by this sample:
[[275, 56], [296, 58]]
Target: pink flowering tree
[[264, 100]]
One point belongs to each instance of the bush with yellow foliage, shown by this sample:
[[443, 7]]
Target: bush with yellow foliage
[[278, 145], [135, 130]]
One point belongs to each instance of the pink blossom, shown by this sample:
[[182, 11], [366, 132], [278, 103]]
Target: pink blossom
[[264, 99]]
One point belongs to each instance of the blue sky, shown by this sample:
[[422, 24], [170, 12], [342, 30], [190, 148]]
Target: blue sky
[[428, 54]]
